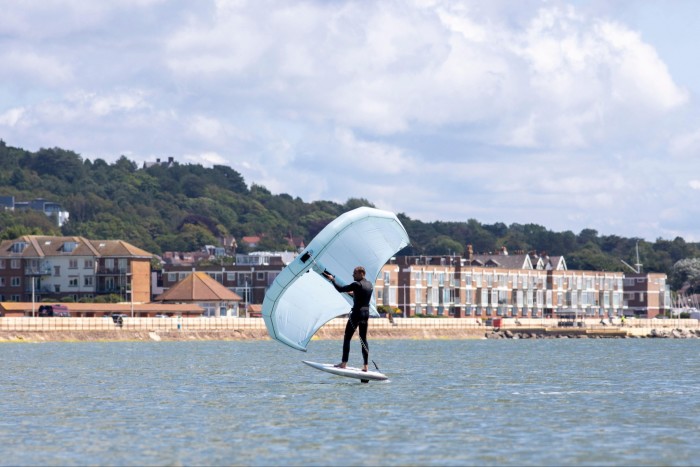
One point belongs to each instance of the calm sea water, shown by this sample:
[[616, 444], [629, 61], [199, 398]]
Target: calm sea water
[[485, 402]]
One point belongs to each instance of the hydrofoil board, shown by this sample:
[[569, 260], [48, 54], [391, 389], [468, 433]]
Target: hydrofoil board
[[349, 372]]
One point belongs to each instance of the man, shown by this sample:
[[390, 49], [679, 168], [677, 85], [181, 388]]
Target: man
[[361, 291]]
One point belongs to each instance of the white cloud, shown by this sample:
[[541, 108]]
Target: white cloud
[[12, 117], [530, 111], [694, 184]]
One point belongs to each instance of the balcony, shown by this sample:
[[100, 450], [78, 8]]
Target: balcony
[[114, 271], [37, 271]]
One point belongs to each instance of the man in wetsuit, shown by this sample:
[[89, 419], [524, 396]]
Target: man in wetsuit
[[361, 291]]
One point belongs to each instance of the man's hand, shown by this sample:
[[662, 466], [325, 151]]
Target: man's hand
[[328, 276]]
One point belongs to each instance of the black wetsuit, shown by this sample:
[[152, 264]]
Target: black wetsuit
[[361, 295]]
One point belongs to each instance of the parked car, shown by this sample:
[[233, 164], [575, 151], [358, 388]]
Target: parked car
[[54, 311], [116, 316]]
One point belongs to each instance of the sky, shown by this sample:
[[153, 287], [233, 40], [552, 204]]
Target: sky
[[568, 114]]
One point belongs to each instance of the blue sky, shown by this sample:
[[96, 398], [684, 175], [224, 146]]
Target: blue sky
[[568, 114]]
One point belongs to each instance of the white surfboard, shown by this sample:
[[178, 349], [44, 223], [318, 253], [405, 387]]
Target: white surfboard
[[349, 372]]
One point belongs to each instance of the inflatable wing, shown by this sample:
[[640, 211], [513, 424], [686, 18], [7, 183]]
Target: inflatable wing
[[301, 300]]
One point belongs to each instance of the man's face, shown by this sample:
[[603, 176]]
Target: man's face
[[357, 274]]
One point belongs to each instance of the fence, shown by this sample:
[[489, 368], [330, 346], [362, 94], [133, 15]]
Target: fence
[[26, 324]]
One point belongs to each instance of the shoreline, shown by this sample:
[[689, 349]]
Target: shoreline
[[427, 333]]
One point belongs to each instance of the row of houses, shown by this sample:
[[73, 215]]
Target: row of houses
[[37, 268]]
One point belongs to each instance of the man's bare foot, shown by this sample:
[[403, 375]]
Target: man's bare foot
[[364, 368], [341, 365]]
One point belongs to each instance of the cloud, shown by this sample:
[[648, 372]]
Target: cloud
[[534, 111]]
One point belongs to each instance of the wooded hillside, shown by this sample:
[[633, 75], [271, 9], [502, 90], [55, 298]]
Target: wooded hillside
[[182, 207]]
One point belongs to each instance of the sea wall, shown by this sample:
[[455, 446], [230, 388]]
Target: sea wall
[[178, 329]]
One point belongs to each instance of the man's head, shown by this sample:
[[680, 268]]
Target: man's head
[[358, 273]]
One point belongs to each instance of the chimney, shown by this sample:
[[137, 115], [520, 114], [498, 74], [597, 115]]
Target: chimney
[[470, 252]]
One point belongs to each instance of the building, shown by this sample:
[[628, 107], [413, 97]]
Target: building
[[646, 295], [34, 268], [201, 289], [485, 286], [49, 208], [250, 277]]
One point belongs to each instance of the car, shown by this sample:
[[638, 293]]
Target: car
[[59, 311]]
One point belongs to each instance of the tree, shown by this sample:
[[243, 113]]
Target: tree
[[686, 273]]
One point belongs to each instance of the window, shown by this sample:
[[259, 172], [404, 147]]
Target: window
[[72, 282], [57, 271], [15, 298], [68, 247], [89, 264], [18, 247], [15, 264], [2, 282], [15, 282], [260, 276], [386, 277], [484, 297], [2, 264], [88, 281], [72, 264], [57, 288], [230, 276]]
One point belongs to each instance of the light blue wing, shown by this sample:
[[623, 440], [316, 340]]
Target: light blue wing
[[301, 300]]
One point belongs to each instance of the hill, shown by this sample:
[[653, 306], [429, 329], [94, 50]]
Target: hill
[[182, 207]]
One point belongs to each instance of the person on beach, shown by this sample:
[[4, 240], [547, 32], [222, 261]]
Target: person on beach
[[361, 290]]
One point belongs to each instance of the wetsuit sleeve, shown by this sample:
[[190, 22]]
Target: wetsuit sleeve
[[351, 287]]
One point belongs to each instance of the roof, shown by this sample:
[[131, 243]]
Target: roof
[[44, 245], [198, 287], [107, 307], [503, 261]]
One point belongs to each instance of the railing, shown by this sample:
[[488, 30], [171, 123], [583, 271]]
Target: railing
[[29, 324]]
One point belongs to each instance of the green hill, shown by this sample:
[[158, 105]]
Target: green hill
[[182, 207]]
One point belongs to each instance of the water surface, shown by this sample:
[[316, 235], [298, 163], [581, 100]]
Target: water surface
[[486, 402]]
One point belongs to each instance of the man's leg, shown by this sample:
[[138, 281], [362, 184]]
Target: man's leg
[[349, 331], [363, 340]]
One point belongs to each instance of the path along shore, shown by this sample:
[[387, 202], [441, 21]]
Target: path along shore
[[188, 329]]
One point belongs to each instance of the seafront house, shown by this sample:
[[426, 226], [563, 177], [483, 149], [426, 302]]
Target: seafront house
[[482, 286], [34, 268], [491, 286], [646, 295]]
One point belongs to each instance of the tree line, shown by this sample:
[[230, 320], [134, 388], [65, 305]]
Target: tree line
[[182, 207]]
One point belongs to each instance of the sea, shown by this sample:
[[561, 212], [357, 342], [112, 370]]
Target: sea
[[447, 402]]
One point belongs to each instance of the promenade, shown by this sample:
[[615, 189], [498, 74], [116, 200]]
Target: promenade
[[30, 329]]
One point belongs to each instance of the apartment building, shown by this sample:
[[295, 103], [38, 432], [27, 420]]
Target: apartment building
[[34, 267], [646, 295], [485, 286]]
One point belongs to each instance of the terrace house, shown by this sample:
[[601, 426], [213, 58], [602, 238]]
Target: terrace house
[[35, 267]]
